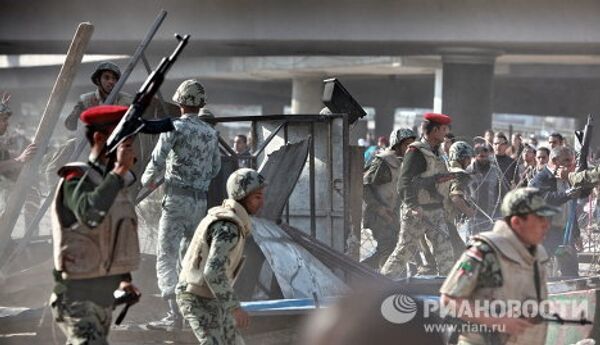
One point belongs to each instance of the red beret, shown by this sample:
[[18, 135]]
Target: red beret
[[442, 119], [103, 115]]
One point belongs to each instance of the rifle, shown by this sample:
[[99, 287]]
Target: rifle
[[429, 183], [566, 252], [581, 322], [497, 338], [133, 123], [584, 137]]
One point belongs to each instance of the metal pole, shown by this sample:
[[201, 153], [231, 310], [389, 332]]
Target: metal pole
[[265, 142], [137, 55], [347, 177], [287, 204], [330, 218], [313, 220]]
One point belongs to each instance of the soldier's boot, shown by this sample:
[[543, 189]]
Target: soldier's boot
[[170, 323], [426, 267]]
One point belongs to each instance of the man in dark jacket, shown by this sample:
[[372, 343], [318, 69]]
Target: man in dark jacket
[[557, 192]]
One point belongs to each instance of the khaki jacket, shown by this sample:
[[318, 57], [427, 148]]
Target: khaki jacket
[[435, 165], [111, 248], [192, 271], [517, 266], [388, 191]]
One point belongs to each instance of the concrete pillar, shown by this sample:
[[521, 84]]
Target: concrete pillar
[[438, 90], [385, 111], [467, 90], [306, 95], [384, 119], [329, 206]]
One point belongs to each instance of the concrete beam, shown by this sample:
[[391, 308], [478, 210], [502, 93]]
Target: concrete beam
[[307, 27]]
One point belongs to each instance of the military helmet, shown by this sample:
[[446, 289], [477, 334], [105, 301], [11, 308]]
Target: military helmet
[[526, 200], [242, 182], [105, 66], [190, 93], [398, 135], [460, 150]]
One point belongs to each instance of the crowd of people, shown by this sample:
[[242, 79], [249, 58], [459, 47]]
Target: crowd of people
[[515, 203], [434, 204], [466, 196]]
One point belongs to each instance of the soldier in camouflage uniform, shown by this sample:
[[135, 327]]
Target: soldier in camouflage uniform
[[506, 263], [10, 166], [214, 260], [190, 156], [381, 196], [461, 205], [423, 186], [105, 77], [94, 230]]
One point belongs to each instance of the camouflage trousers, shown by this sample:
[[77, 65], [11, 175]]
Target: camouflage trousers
[[82, 322], [386, 235], [433, 226], [210, 322], [178, 221]]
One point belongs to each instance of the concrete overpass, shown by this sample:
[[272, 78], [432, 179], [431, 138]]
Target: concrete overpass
[[309, 27], [504, 56]]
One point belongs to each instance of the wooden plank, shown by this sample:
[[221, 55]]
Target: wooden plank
[[44, 131]]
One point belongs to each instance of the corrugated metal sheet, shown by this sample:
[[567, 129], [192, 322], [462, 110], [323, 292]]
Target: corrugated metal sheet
[[298, 273], [282, 170]]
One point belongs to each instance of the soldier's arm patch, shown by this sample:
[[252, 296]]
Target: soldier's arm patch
[[491, 273], [466, 274]]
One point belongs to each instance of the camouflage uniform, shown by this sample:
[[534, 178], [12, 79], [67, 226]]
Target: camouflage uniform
[[189, 157], [432, 224], [205, 291], [5, 178], [459, 189], [486, 270], [11, 145], [381, 198]]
